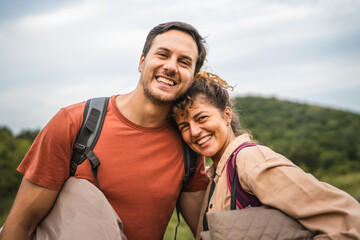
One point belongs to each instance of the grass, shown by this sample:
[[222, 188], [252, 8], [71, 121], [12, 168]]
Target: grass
[[183, 232]]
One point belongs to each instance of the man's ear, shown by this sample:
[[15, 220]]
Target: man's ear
[[141, 62]]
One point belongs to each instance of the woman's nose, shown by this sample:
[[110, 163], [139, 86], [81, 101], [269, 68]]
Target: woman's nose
[[195, 129]]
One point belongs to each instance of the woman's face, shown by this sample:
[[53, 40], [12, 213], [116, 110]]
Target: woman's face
[[205, 128]]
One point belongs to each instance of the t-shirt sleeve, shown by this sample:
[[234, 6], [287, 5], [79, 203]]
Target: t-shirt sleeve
[[47, 162], [198, 181]]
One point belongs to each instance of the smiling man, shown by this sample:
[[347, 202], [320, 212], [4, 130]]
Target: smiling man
[[169, 66], [140, 151]]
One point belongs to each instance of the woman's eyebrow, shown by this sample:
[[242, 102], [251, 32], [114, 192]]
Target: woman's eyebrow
[[182, 123], [199, 113]]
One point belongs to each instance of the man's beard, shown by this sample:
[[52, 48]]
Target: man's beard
[[158, 100]]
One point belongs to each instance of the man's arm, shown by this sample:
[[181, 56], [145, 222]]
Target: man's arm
[[190, 205], [31, 205]]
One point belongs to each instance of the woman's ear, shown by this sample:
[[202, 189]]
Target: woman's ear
[[228, 115]]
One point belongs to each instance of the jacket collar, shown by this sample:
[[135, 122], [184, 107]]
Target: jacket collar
[[228, 151]]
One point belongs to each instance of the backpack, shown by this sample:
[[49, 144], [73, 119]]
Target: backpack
[[253, 220], [239, 197], [93, 120]]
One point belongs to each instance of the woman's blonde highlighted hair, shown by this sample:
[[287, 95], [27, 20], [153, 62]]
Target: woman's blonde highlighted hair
[[214, 78]]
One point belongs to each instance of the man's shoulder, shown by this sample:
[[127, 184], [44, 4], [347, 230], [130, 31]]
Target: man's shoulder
[[75, 107]]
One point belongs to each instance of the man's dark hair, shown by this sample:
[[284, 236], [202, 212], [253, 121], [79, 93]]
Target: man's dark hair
[[181, 26]]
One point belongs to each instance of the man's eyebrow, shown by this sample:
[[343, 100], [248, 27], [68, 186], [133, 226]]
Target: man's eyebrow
[[187, 57], [163, 49]]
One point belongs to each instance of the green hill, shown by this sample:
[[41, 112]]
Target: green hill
[[311, 136], [323, 141]]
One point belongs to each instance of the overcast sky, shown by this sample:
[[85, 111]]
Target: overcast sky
[[55, 53]]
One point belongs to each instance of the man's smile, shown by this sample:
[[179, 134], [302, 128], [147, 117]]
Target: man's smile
[[165, 81]]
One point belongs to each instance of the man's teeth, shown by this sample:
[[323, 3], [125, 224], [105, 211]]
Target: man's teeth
[[203, 140], [166, 81]]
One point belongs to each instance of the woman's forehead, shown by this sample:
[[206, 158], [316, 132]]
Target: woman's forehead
[[197, 105]]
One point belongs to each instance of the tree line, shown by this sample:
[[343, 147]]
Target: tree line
[[12, 150], [322, 141], [313, 137]]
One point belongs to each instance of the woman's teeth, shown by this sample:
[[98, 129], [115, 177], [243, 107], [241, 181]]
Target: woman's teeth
[[203, 140]]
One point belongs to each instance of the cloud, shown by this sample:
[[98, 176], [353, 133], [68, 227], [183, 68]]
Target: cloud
[[57, 53], [65, 16]]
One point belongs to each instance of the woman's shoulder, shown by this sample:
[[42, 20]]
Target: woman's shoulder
[[256, 156]]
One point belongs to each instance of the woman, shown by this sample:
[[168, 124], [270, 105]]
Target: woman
[[207, 124]]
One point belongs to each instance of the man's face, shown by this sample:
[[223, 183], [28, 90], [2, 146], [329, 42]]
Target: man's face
[[168, 69]]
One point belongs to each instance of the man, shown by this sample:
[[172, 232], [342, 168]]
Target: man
[[140, 151]]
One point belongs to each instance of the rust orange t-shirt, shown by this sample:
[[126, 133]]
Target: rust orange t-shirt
[[140, 172]]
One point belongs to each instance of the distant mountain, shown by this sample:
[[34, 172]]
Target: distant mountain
[[313, 137]]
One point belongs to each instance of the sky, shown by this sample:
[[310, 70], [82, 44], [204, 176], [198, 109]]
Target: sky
[[56, 53]]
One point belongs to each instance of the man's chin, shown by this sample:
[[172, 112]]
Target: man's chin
[[160, 100]]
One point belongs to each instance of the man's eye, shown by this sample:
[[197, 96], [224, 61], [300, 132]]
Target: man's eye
[[186, 63], [162, 54]]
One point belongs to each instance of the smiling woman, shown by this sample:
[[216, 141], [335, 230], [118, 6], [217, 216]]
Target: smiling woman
[[208, 126], [205, 117]]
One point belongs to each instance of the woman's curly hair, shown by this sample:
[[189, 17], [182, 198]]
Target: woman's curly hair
[[212, 88]]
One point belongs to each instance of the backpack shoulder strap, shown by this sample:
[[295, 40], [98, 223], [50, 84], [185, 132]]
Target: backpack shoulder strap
[[239, 197], [189, 162], [93, 120], [189, 165]]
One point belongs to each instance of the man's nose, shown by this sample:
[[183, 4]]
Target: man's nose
[[171, 65]]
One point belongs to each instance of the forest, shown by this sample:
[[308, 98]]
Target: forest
[[323, 141]]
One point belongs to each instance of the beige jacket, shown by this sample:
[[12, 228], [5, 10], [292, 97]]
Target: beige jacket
[[277, 182]]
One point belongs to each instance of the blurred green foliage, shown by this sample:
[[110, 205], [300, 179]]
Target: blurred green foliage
[[313, 137], [12, 151], [323, 141]]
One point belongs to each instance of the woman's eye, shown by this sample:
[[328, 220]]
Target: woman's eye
[[202, 118], [184, 128]]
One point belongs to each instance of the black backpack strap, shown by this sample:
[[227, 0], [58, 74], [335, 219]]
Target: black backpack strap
[[94, 115], [189, 162], [189, 166]]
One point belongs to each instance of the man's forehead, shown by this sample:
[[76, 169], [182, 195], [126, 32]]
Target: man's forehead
[[176, 40]]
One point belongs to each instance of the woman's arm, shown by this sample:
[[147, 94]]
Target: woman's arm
[[279, 183], [190, 205]]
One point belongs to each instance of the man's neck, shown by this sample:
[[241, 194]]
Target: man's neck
[[136, 107]]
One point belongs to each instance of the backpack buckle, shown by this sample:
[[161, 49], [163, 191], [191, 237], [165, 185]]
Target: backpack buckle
[[80, 148]]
